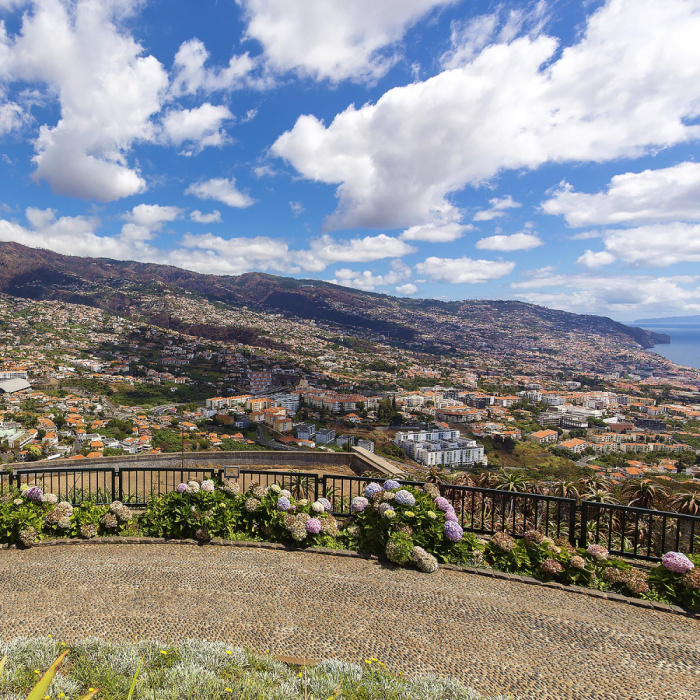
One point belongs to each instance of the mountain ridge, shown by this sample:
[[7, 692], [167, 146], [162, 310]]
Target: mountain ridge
[[115, 285]]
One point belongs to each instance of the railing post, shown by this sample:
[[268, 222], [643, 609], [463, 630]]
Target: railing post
[[572, 523], [121, 494], [316, 488], [114, 484], [583, 539]]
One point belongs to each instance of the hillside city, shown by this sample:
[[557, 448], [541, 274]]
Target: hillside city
[[78, 382]]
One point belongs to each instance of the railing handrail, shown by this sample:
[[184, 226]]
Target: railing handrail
[[642, 511], [505, 492]]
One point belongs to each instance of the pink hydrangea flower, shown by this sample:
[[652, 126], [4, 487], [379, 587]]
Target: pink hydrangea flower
[[677, 562]]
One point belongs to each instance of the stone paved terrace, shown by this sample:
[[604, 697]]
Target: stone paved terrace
[[495, 635]]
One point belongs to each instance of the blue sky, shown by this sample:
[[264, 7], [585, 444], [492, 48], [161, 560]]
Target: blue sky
[[542, 151]]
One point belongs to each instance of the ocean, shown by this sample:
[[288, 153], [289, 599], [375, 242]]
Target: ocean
[[685, 344]]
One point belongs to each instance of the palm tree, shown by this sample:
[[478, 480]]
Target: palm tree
[[644, 493]]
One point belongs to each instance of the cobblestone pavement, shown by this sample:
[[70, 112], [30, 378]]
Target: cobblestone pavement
[[497, 636]]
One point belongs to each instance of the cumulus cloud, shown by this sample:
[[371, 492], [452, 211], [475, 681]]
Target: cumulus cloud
[[435, 233], [75, 235], [516, 241], [193, 76], [236, 255], [592, 259], [498, 208], [621, 296], [622, 89], [464, 270], [198, 217], [407, 289], [655, 245], [332, 39], [152, 216], [652, 196], [107, 89], [325, 251], [200, 126], [368, 281], [221, 190]]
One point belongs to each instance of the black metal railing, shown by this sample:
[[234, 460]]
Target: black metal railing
[[636, 533], [138, 485], [487, 511]]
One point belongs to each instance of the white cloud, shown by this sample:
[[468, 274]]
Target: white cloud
[[368, 281], [498, 208], [655, 245], [11, 115], [591, 259], [152, 216], [620, 296], [236, 255], [332, 39], [200, 126], [470, 37], [652, 196], [297, 208], [516, 241], [200, 218], [325, 250], [435, 233], [107, 89], [192, 76], [621, 90], [407, 289], [464, 270], [221, 190], [75, 235]]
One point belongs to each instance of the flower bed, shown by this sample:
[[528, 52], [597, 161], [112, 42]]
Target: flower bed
[[410, 526], [206, 670]]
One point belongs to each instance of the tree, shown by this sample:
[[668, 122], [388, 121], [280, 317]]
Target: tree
[[644, 493]]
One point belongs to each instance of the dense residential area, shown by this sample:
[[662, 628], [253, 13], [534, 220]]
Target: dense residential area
[[77, 383]]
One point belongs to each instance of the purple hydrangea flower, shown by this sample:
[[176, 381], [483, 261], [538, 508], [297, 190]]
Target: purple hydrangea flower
[[453, 531], [358, 504], [208, 485], [451, 516], [677, 562], [34, 493], [327, 505], [405, 498], [283, 503], [384, 507], [443, 504], [391, 484], [181, 488], [313, 526], [372, 489]]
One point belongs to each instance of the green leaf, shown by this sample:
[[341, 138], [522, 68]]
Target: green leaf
[[45, 681], [133, 681]]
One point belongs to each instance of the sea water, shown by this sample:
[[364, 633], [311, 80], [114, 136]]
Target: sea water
[[685, 344]]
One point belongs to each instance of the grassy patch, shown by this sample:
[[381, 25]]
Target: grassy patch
[[197, 670]]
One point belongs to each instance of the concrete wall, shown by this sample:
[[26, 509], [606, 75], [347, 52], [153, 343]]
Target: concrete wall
[[246, 459]]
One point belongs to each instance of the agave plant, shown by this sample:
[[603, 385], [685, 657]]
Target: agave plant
[[644, 493], [687, 503]]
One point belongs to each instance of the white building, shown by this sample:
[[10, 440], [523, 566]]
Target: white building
[[440, 448]]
